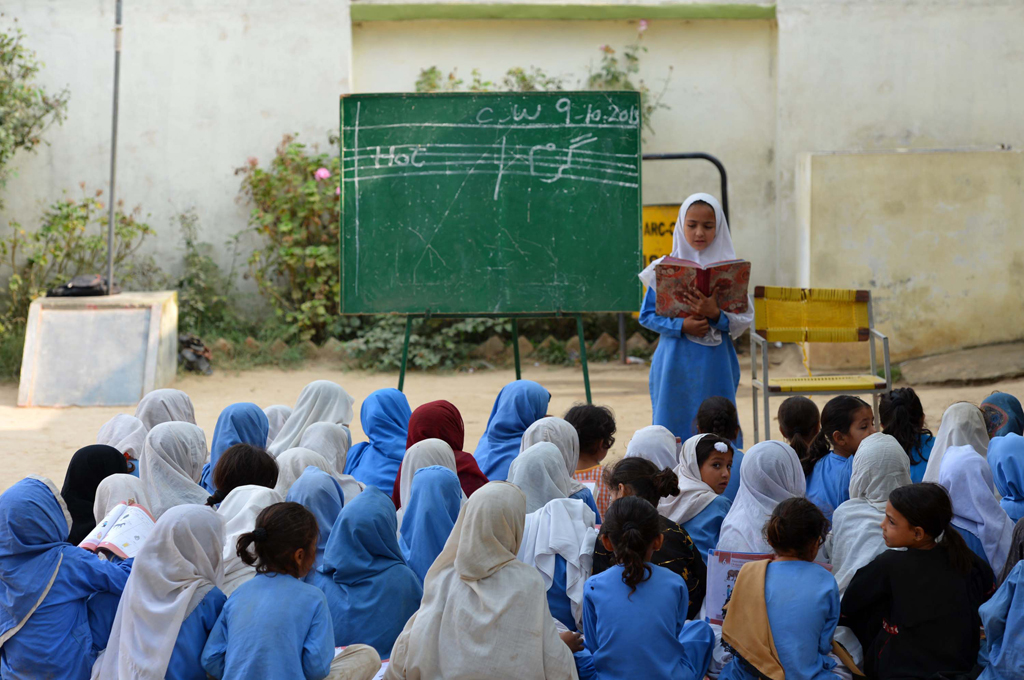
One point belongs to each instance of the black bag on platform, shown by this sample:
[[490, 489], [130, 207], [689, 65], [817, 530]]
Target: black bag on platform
[[86, 285]]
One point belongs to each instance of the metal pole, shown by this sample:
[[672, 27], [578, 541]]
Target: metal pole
[[515, 347], [583, 356], [405, 353], [705, 156], [622, 337], [113, 153]]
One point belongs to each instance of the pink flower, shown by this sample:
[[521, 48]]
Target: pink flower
[[606, 49], [322, 173], [643, 26], [253, 161], [337, 192]]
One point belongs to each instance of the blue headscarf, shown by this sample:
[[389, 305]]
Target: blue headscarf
[[242, 423], [34, 525], [371, 591], [321, 495], [385, 419], [519, 405], [1006, 458], [1003, 414], [433, 508]]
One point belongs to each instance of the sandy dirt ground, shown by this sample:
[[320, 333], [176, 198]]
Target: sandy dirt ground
[[42, 440]]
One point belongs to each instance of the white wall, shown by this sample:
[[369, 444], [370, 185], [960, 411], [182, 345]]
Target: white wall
[[205, 84]]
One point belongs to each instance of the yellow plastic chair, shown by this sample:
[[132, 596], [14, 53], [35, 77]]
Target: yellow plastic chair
[[813, 315]]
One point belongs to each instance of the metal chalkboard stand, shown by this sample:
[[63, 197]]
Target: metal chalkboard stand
[[515, 339]]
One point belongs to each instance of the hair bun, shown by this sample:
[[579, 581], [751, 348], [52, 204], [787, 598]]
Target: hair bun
[[259, 534]]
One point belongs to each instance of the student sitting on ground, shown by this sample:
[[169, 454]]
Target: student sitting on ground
[[799, 423], [963, 424], [241, 465], [595, 426], [903, 417], [321, 494], [845, 422], [87, 469], [519, 404], [563, 435], [977, 515], [429, 517], [242, 423], [384, 416], [718, 416]]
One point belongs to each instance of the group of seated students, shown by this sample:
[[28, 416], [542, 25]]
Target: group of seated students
[[285, 552]]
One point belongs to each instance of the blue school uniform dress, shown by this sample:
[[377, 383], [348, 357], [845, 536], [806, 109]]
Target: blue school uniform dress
[[973, 542], [587, 497], [1003, 619], [802, 599], [558, 600], [370, 590], [644, 634], [685, 373], [63, 636], [187, 658], [705, 526], [520, 404], [1006, 458], [734, 475], [273, 627], [429, 518], [828, 487], [921, 452], [321, 494], [385, 419], [242, 423]]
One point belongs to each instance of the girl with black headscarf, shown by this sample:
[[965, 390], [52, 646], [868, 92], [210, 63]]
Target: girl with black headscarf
[[88, 467]]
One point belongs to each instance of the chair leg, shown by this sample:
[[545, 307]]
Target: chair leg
[[874, 408]]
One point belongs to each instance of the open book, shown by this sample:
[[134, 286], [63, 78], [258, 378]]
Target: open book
[[723, 570], [726, 281], [123, 531]]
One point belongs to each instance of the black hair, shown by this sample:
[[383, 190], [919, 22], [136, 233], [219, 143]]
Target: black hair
[[281, 529], [928, 506], [644, 478], [700, 202], [903, 417], [799, 422], [706, 447], [717, 415], [837, 416], [239, 465], [632, 525], [797, 527], [594, 424]]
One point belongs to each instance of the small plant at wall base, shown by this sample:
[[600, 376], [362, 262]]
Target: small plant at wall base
[[204, 291]]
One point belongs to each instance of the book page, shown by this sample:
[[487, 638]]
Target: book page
[[383, 669], [96, 536], [729, 282], [129, 532], [723, 569]]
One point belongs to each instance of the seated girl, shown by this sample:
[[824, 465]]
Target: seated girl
[[520, 404], [321, 494], [782, 613], [1006, 458], [845, 422], [429, 517], [1003, 619], [242, 423], [564, 436], [718, 416], [977, 515], [595, 426], [241, 465], [636, 605], [903, 417], [799, 423], [963, 424], [384, 416]]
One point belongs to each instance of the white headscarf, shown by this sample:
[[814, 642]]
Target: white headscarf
[[564, 527], [293, 462], [332, 441], [770, 474], [656, 444], [880, 466], [115, 489], [321, 401], [720, 250], [963, 424], [172, 465], [277, 415], [694, 493], [178, 565], [125, 433], [423, 454], [165, 406], [484, 614], [563, 435], [239, 511], [540, 472], [968, 479]]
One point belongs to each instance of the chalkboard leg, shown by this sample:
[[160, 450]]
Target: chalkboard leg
[[583, 356], [515, 347], [405, 352], [622, 337]]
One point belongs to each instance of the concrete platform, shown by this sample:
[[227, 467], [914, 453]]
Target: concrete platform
[[99, 351], [967, 367]]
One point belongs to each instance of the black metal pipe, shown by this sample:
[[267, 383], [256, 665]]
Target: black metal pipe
[[704, 156]]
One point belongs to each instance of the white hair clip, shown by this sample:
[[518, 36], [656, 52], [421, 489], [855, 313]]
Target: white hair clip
[[721, 447]]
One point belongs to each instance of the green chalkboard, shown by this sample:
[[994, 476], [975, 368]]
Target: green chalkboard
[[490, 203]]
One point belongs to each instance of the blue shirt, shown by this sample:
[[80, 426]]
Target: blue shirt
[[923, 450], [974, 543], [385, 419], [519, 404], [274, 627], [186, 660], [828, 487], [587, 497], [644, 634], [734, 474], [705, 526], [1003, 618], [558, 600]]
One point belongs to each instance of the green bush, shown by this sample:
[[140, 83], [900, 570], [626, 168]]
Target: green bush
[[205, 293], [433, 343]]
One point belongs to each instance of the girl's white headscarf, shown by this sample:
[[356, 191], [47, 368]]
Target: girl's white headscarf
[[563, 435], [165, 406], [239, 511], [116, 489], [125, 433], [963, 424], [564, 527], [321, 401], [656, 444], [880, 466], [968, 479], [540, 473], [332, 441], [277, 416], [178, 565], [293, 462], [770, 474], [420, 455], [172, 465], [720, 250], [694, 493]]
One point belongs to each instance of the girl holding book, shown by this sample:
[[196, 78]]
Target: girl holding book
[[695, 358]]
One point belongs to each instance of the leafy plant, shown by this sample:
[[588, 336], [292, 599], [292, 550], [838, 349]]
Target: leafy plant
[[296, 211], [621, 72], [204, 291], [516, 79], [26, 109], [433, 343]]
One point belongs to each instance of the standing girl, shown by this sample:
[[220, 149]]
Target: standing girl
[[845, 422], [637, 605], [903, 417], [695, 358]]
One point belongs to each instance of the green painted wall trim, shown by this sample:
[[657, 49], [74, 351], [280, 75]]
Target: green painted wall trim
[[510, 10]]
